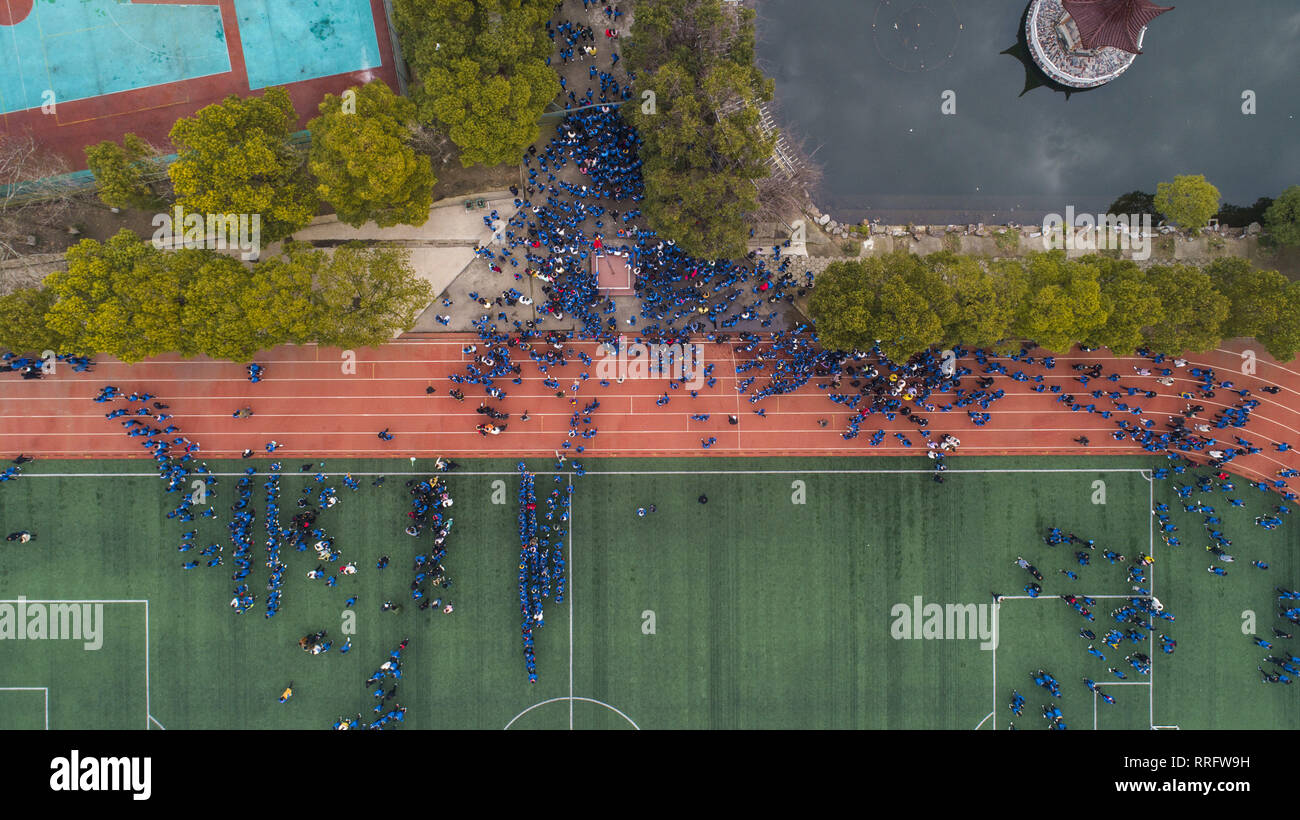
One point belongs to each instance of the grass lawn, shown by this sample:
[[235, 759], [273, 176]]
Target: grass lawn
[[774, 605]]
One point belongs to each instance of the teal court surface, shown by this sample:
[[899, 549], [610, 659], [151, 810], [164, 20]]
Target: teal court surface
[[804, 593], [87, 48], [289, 41], [67, 50]]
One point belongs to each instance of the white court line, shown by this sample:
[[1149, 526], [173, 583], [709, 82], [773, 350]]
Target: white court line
[[44, 689], [986, 717]]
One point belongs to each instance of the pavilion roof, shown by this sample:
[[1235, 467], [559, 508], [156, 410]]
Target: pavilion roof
[[1115, 23]]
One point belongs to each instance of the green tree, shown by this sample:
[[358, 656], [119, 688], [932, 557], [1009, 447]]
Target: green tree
[[1063, 302], [1193, 310], [1282, 338], [121, 297], [984, 304], [703, 147], [1188, 201], [843, 305], [481, 71], [235, 158], [1255, 296], [22, 321], [282, 298], [1238, 216], [218, 312], [364, 166], [900, 300], [905, 321], [120, 173], [1283, 217], [1129, 302], [364, 295]]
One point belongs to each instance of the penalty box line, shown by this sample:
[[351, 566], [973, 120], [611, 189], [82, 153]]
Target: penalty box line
[[1150, 681], [149, 718]]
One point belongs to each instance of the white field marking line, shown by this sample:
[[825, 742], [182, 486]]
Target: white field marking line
[[986, 717], [1061, 597], [144, 601], [569, 473], [44, 689], [1123, 682], [998, 603], [569, 594], [1166, 727], [997, 610], [148, 710], [599, 451], [614, 452], [1151, 633], [1094, 710], [571, 699], [156, 723]]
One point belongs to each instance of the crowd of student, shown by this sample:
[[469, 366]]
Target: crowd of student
[[30, 368], [429, 501], [541, 556], [386, 677]]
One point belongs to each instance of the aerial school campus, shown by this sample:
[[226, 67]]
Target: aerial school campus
[[487, 365]]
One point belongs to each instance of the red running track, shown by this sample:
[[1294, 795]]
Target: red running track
[[313, 408]]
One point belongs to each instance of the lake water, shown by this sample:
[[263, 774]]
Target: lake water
[[867, 103]]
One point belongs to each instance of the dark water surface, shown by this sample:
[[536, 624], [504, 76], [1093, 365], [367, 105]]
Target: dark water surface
[[868, 103]]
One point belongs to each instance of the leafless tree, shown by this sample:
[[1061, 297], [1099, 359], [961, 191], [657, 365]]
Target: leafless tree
[[33, 193], [433, 142], [787, 190]]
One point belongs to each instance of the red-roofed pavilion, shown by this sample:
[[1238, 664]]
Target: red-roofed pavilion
[[1114, 23]]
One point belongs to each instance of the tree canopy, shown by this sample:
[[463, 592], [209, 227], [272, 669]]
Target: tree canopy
[[235, 158], [120, 297], [703, 147], [22, 321], [909, 303], [1283, 217], [131, 300], [364, 165], [899, 301], [1193, 310], [1188, 201], [481, 71], [120, 173], [1063, 301], [1130, 304]]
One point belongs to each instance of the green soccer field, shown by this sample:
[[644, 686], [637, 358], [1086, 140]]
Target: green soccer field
[[789, 600]]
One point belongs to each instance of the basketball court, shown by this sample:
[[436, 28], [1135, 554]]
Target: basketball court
[[88, 70]]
